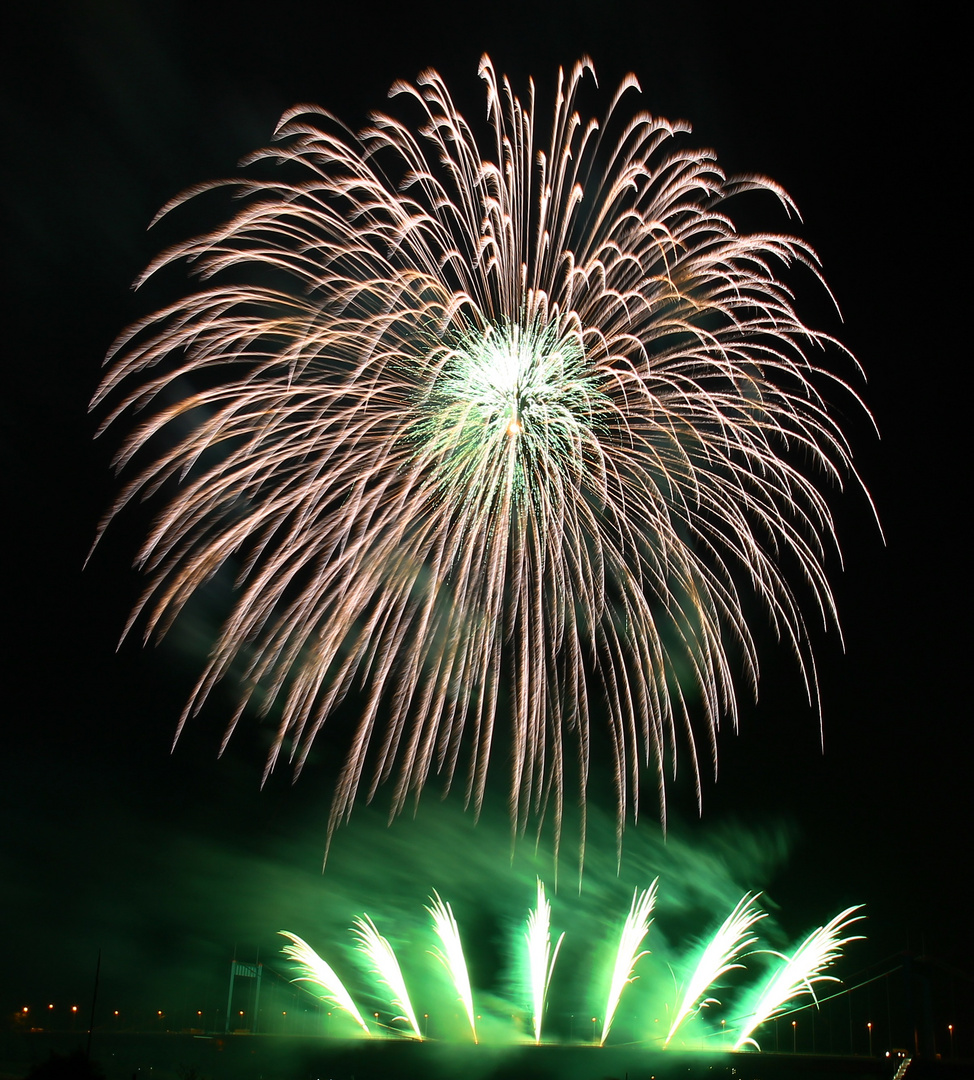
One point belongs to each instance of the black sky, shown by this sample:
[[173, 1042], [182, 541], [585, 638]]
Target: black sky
[[110, 108]]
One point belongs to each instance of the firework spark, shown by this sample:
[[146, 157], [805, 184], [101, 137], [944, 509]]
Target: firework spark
[[634, 930], [321, 975], [451, 955], [541, 957], [720, 956], [386, 966], [483, 427], [799, 974]]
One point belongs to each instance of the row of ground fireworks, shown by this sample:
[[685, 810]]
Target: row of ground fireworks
[[795, 974]]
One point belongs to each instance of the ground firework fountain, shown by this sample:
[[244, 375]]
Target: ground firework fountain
[[720, 956], [386, 966], [450, 955], [541, 957], [634, 930]]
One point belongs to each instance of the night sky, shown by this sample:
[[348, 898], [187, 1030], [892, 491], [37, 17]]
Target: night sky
[[167, 862]]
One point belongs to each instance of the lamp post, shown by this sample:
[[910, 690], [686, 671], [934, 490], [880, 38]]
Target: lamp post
[[794, 1036], [869, 1028]]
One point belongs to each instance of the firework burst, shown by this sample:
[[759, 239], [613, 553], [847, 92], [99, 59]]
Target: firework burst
[[486, 427]]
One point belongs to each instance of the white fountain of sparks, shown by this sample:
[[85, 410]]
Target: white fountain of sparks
[[386, 966], [322, 975], [541, 956], [799, 974], [634, 930], [451, 954], [720, 956]]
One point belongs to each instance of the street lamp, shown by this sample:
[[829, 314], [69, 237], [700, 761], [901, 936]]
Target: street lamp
[[869, 1028], [794, 1036]]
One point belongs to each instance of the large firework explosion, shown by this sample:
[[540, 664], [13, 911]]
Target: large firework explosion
[[502, 427]]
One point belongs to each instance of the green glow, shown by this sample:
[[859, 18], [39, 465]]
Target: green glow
[[634, 930], [541, 957]]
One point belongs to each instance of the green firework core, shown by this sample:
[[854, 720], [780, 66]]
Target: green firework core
[[512, 408]]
